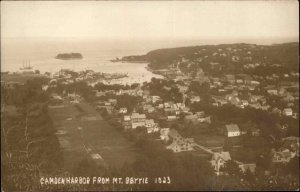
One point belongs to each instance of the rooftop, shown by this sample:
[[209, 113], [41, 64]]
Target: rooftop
[[223, 155], [232, 127]]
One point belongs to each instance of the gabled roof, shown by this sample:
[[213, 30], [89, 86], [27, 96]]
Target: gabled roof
[[232, 127], [137, 115], [172, 145], [173, 133], [288, 110], [164, 131], [150, 121], [223, 155]]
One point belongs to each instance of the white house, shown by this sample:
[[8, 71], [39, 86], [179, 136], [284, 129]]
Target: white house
[[54, 96], [149, 123], [151, 126], [232, 130], [180, 105], [137, 120], [205, 119], [240, 81], [287, 112], [69, 81], [155, 99], [215, 104], [248, 166], [136, 117], [113, 101], [127, 118], [195, 99], [183, 89], [218, 160], [167, 105], [244, 102], [181, 144], [136, 124], [45, 87], [153, 129], [272, 91], [160, 106], [282, 156], [164, 134], [255, 82], [151, 110], [123, 110], [107, 103], [171, 117], [72, 95]]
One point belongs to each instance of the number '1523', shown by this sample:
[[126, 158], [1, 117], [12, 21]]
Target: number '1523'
[[162, 180]]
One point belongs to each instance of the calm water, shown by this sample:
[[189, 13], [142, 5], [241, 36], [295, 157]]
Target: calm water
[[96, 55]]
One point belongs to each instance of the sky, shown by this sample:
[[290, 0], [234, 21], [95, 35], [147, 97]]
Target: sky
[[150, 19]]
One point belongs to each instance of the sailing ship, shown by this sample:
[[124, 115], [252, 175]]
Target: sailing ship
[[26, 68]]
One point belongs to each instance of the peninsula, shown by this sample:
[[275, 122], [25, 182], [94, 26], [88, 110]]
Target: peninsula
[[229, 57], [131, 59]]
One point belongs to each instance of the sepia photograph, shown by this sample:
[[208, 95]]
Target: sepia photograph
[[149, 95]]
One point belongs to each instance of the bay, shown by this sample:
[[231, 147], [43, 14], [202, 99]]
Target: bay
[[40, 54]]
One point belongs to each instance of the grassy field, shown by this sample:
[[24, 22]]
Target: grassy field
[[96, 135], [252, 148], [210, 141]]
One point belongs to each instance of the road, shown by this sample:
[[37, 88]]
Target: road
[[203, 148]]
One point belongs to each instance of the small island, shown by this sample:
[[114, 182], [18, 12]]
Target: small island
[[69, 56]]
